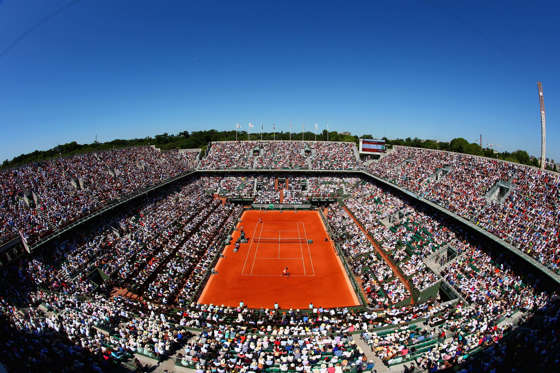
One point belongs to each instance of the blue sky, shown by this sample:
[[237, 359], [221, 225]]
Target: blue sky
[[124, 69]]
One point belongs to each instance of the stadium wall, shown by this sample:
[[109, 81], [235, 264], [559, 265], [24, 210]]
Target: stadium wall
[[430, 292]]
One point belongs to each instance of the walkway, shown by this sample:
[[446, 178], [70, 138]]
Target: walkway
[[379, 366]]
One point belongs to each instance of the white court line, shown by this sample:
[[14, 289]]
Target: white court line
[[308, 248], [278, 244], [285, 239], [301, 251], [257, 249], [249, 251], [291, 275], [275, 258]]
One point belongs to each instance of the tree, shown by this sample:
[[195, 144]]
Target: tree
[[473, 148], [521, 156], [430, 144], [458, 145]]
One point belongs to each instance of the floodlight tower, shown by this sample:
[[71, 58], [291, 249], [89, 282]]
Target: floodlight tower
[[543, 126]]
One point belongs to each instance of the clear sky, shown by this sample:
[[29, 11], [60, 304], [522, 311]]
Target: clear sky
[[71, 70]]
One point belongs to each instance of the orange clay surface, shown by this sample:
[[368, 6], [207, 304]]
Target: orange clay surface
[[254, 273]]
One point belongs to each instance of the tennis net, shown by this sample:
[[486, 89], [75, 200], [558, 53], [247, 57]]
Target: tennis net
[[281, 240]]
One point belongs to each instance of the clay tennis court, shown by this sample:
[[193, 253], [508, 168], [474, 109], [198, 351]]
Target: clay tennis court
[[279, 239]]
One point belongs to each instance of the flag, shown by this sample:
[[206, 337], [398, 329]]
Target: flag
[[24, 242], [238, 126], [273, 126], [251, 125], [316, 126]]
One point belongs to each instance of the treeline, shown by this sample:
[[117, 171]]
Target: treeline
[[200, 139], [460, 145]]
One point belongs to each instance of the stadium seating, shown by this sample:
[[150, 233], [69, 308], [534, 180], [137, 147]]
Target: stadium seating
[[129, 286], [294, 155], [525, 212], [40, 198]]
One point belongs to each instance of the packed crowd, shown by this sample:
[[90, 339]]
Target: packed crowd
[[361, 257], [333, 156], [296, 190], [371, 205], [538, 338], [267, 190], [164, 249], [494, 294], [132, 247], [527, 215], [332, 187], [285, 349], [316, 155], [185, 255], [229, 155], [40, 198], [281, 155], [494, 291], [288, 189]]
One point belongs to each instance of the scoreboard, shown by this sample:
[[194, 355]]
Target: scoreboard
[[369, 146]]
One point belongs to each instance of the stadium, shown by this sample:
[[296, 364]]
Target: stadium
[[279, 186], [279, 256]]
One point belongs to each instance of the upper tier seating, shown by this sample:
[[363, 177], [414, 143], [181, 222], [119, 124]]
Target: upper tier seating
[[42, 197], [525, 212], [316, 155]]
